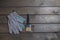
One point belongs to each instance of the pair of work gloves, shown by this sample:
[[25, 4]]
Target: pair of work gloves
[[15, 23]]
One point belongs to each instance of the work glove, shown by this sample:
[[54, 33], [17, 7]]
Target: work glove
[[15, 23]]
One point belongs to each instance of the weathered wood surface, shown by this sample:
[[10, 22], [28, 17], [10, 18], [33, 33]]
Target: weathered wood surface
[[33, 10], [15, 5], [3, 28], [5, 37], [30, 36], [30, 3]]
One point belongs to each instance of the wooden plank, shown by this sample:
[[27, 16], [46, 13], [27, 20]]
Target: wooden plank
[[46, 27], [31, 10], [30, 36], [20, 3], [23, 36], [30, 3], [16, 37], [45, 19], [21, 10], [36, 28]]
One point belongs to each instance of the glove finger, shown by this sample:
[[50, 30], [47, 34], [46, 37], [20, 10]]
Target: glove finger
[[15, 29], [9, 24], [10, 29], [19, 28]]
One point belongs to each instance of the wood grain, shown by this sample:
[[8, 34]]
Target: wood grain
[[3, 28], [30, 3], [5, 37]]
